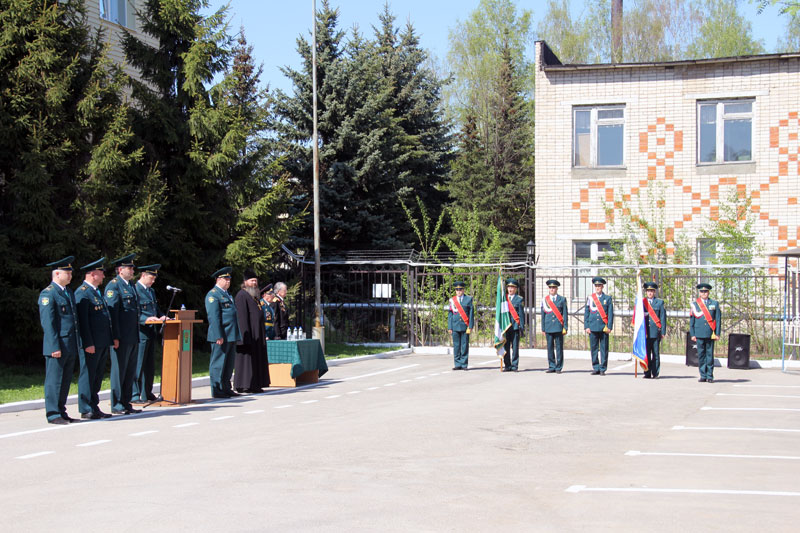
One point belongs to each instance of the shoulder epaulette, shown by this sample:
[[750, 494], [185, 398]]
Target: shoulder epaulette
[[83, 287], [48, 288], [113, 280]]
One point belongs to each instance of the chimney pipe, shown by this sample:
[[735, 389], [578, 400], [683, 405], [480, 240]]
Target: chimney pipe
[[616, 31]]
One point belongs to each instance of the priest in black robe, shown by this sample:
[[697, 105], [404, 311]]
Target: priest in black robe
[[252, 372]]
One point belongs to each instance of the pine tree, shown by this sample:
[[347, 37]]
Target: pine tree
[[63, 137]]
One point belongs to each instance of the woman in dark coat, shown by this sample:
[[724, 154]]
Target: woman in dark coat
[[252, 372]]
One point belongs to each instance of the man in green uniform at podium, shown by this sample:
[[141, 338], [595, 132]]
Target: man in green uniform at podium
[[460, 321], [95, 329], [705, 321], [598, 318], [60, 342], [124, 307], [148, 334], [223, 334]]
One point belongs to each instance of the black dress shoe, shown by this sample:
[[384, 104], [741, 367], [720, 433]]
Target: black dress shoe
[[91, 416], [549, 371], [132, 411], [58, 421], [558, 371], [595, 372], [702, 380], [648, 376], [151, 398], [456, 368], [710, 380], [232, 393], [602, 372], [70, 420], [120, 411], [102, 414]]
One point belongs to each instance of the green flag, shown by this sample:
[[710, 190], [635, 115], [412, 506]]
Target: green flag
[[502, 318]]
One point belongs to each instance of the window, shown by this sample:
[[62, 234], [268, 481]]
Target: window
[[114, 11], [599, 136], [706, 251], [725, 131], [588, 253]]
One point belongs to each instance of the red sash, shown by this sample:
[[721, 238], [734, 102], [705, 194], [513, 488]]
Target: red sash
[[711, 322], [554, 309], [513, 311], [652, 313], [460, 310], [600, 309]]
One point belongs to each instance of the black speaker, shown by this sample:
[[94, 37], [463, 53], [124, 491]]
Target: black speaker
[[738, 351], [691, 351]]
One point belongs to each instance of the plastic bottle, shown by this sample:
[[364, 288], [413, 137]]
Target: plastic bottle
[[300, 335], [295, 335], [183, 307]]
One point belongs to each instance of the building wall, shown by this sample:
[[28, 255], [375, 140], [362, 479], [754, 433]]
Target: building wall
[[660, 149], [114, 32]]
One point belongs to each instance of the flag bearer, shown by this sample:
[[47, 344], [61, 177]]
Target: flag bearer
[[554, 326], [598, 318], [517, 328], [704, 327], [655, 324], [460, 321]]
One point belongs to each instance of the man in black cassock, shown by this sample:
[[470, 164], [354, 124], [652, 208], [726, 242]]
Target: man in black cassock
[[252, 372]]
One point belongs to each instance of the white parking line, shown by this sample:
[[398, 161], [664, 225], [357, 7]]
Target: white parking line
[[379, 373], [354, 392], [32, 455], [621, 367], [31, 431], [757, 395], [331, 397], [635, 453], [186, 425], [93, 443], [310, 401], [708, 428], [143, 433], [768, 386], [583, 488], [421, 377], [253, 412], [389, 384], [222, 417], [406, 381], [749, 409], [373, 388], [282, 406], [489, 362]]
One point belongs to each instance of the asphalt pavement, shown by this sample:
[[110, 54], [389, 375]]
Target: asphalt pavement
[[406, 444]]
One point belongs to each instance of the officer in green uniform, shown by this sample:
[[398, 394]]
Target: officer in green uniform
[[60, 342], [148, 334], [457, 327], [267, 295], [517, 328], [598, 319], [95, 330], [121, 299], [555, 316], [223, 334], [705, 321], [655, 328]]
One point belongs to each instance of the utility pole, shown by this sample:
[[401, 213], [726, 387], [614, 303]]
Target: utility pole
[[318, 331]]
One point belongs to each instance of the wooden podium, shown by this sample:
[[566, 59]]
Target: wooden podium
[[176, 369]]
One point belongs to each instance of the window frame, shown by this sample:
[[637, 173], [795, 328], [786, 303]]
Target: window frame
[[594, 122], [581, 277], [721, 116], [122, 14]]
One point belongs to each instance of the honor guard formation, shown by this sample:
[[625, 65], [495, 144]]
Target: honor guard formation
[[121, 322]]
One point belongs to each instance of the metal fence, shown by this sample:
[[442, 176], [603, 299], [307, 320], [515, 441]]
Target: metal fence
[[397, 297]]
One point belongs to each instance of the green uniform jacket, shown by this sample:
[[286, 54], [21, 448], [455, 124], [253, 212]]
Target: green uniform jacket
[[591, 316], [653, 331], [698, 326], [223, 322], [269, 319], [550, 323], [148, 308], [124, 307], [93, 317], [454, 320], [59, 320], [516, 303]]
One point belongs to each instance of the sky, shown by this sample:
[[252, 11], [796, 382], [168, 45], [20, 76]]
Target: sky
[[273, 26]]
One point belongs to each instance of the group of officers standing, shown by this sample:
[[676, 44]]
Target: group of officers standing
[[598, 320], [121, 322]]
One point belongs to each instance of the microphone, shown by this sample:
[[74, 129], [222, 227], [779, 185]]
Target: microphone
[[173, 289]]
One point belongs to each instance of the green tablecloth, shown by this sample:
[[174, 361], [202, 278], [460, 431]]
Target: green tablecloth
[[303, 355]]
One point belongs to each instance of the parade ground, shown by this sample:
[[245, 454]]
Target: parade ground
[[404, 443]]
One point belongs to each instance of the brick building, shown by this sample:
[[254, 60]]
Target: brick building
[[697, 130]]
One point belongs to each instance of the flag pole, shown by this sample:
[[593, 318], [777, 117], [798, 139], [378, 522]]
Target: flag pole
[[635, 359]]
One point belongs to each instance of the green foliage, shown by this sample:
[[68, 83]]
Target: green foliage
[[66, 152], [724, 32], [790, 41], [787, 7]]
